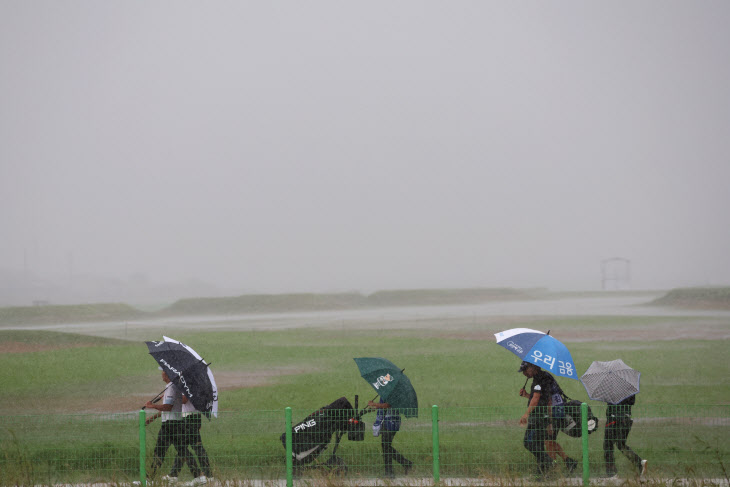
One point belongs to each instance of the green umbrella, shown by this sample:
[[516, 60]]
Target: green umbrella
[[391, 384]]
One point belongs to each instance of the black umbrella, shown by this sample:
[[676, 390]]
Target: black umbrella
[[188, 371]]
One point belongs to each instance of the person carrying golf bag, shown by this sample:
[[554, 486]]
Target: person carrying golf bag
[[618, 426]]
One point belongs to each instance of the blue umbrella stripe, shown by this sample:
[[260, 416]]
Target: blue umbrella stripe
[[565, 368]]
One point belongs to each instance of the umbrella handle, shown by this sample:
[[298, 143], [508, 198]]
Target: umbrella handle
[[524, 385], [156, 399]]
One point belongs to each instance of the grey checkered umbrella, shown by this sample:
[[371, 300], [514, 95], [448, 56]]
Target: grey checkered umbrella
[[610, 382]]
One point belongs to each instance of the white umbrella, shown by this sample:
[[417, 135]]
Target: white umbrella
[[611, 382]]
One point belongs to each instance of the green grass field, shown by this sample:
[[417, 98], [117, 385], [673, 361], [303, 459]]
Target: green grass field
[[301, 367], [61, 389]]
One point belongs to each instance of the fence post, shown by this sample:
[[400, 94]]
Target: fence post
[[142, 448], [289, 462], [435, 435], [584, 438]]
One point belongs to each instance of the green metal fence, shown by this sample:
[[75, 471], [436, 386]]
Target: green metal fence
[[442, 443]]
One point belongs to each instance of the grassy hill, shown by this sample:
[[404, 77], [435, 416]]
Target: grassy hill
[[257, 303], [264, 303], [697, 298], [441, 297], [278, 303]]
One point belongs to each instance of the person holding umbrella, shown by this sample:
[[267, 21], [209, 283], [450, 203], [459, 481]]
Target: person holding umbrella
[[192, 421], [185, 372], [537, 417], [535, 347], [397, 396], [616, 384], [171, 432], [618, 426], [387, 424]]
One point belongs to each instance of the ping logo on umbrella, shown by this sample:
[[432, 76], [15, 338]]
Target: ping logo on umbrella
[[382, 381], [515, 347]]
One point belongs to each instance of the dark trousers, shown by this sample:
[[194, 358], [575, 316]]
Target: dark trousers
[[390, 453], [192, 439], [534, 441], [615, 434], [171, 433]]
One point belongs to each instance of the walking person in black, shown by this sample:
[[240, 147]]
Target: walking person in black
[[387, 424], [537, 417], [192, 421], [557, 410], [618, 426], [172, 429]]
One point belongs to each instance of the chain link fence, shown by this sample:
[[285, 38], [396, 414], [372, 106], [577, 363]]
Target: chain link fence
[[441, 443]]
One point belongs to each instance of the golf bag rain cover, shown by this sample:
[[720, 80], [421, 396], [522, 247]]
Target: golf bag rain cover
[[312, 435]]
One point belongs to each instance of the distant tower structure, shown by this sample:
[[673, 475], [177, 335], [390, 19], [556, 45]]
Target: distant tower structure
[[616, 274]]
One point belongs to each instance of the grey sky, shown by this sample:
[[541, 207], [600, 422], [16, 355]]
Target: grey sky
[[319, 146]]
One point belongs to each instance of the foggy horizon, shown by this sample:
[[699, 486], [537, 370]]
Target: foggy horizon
[[259, 147]]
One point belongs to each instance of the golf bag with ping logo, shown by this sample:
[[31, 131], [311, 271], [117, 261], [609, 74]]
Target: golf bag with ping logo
[[312, 435]]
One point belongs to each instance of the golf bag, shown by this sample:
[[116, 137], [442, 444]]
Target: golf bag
[[312, 435], [571, 424]]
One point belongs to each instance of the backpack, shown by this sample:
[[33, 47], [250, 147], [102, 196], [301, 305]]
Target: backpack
[[571, 423]]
